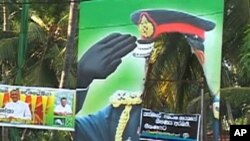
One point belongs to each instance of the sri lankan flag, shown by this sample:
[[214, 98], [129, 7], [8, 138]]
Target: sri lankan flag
[[6, 98], [39, 110], [49, 109], [28, 99]]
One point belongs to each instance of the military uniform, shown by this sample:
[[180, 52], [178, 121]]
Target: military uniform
[[102, 126], [106, 125]]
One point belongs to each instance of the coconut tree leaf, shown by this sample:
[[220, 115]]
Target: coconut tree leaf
[[40, 75], [8, 49], [36, 33]]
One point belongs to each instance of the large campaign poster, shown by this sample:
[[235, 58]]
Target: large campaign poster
[[37, 107], [109, 65]]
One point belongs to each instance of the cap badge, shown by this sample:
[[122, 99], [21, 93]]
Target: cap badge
[[146, 26]]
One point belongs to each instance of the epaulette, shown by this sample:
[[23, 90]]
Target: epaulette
[[121, 97], [128, 99]]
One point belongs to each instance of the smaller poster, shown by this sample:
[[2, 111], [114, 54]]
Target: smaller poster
[[37, 107], [159, 126]]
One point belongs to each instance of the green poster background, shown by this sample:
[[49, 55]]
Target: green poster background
[[99, 18]]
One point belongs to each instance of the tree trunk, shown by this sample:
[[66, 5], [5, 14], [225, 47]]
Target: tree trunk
[[5, 17], [5, 131], [70, 46], [5, 134], [229, 113], [248, 117]]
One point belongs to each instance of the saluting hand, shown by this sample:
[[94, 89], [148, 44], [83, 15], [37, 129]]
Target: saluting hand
[[104, 57]]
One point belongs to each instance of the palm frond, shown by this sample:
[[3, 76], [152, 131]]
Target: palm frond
[[64, 20], [236, 19], [244, 65], [56, 57], [40, 75], [36, 33], [7, 34], [8, 49]]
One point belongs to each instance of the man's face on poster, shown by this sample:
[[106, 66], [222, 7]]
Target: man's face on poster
[[64, 102], [14, 95]]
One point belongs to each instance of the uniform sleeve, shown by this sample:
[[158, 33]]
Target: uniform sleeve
[[80, 97], [93, 127]]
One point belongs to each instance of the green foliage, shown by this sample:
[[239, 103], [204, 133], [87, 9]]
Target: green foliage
[[8, 49], [45, 55], [52, 11], [241, 121], [245, 57], [36, 33], [238, 99]]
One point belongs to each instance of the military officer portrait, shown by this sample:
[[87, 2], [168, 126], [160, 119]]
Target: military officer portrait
[[161, 31]]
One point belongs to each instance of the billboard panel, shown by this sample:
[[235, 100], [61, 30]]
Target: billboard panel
[[120, 41], [37, 107]]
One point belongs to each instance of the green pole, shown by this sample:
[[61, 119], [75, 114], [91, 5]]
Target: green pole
[[22, 48]]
